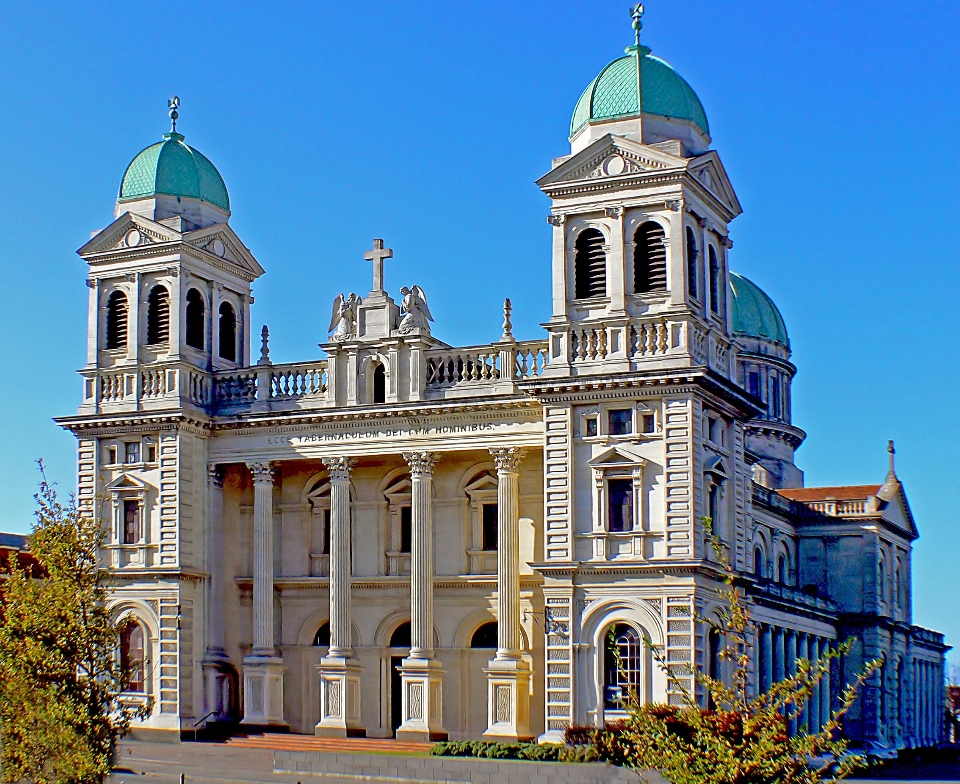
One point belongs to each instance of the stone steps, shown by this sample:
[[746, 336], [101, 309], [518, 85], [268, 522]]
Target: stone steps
[[332, 745]]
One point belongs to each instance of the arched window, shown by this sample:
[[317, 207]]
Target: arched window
[[692, 267], [896, 586], [649, 259], [622, 666], [590, 265], [782, 569], [714, 280], [132, 658], [195, 320], [322, 638], [117, 320], [379, 384], [485, 636], [713, 659], [228, 332], [758, 563], [158, 315], [882, 582], [401, 636]]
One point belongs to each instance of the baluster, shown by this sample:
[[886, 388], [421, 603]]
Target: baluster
[[602, 349], [662, 329]]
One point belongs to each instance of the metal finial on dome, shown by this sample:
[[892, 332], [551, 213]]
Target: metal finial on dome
[[636, 13], [637, 16], [174, 104]]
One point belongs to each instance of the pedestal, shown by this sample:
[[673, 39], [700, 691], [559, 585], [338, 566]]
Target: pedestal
[[508, 701], [422, 701], [217, 687], [263, 691], [339, 698]]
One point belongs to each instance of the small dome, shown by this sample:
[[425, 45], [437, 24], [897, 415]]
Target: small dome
[[173, 168], [754, 314], [613, 94]]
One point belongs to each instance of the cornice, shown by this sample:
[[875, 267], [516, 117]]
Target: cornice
[[389, 582], [120, 576], [96, 424], [789, 434]]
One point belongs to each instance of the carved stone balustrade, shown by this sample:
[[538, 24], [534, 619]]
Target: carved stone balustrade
[[142, 388], [458, 372]]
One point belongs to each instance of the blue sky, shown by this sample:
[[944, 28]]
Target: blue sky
[[427, 123]]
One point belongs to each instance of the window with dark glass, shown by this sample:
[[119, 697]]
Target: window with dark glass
[[194, 318], [158, 315], [151, 453], [715, 287], [485, 636], [758, 563], [228, 332], [131, 452], [111, 455], [782, 570], [775, 403], [132, 656], [622, 667], [620, 500], [489, 534], [322, 638], [131, 522], [692, 267], [406, 528], [379, 384], [401, 636], [648, 423], [589, 265], [620, 421], [117, 320], [649, 259], [713, 504], [753, 383], [325, 546], [591, 426]]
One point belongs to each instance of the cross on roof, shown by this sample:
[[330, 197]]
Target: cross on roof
[[377, 255]]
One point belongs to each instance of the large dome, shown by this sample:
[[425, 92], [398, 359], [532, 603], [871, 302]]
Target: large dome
[[613, 94], [754, 314], [173, 168]]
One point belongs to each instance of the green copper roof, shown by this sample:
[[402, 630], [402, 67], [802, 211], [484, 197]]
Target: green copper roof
[[754, 313], [614, 93], [173, 168]]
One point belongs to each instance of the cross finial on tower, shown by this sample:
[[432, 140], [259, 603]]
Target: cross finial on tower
[[892, 474], [377, 255], [173, 104]]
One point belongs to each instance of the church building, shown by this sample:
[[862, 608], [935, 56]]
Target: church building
[[404, 538]]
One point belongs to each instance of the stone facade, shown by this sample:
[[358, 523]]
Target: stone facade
[[321, 546]]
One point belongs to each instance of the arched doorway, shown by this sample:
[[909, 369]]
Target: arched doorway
[[399, 649]]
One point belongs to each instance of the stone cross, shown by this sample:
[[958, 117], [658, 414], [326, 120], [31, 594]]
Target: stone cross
[[377, 255]]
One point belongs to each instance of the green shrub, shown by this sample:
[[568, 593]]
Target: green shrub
[[534, 752]]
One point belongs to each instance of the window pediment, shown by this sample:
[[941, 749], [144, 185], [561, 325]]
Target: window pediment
[[616, 457], [127, 483]]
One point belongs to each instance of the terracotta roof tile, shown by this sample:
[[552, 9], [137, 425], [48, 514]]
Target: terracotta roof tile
[[844, 493]]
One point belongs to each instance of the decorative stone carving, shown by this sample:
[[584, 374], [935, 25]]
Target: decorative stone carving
[[343, 320], [421, 463], [215, 475], [339, 467], [416, 312], [507, 459], [262, 473], [556, 220]]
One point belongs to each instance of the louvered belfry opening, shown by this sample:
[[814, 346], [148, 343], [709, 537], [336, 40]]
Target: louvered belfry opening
[[590, 265], [117, 320], [228, 332], [158, 315], [649, 259], [194, 320], [714, 281], [691, 251]]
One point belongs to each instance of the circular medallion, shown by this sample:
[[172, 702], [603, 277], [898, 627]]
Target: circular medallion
[[614, 165], [218, 247], [133, 238]]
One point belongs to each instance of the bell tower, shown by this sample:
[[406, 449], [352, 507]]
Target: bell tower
[[169, 285]]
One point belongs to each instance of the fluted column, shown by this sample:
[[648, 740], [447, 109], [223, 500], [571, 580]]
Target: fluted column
[[790, 665], [825, 688], [766, 664], [421, 673], [215, 659], [263, 669], [341, 621], [508, 676], [339, 669]]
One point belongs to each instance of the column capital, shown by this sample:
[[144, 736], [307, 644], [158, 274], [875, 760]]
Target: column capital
[[262, 473], [507, 459], [339, 467], [215, 475], [421, 463]]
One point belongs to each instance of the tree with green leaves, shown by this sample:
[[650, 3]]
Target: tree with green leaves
[[742, 737], [61, 681]]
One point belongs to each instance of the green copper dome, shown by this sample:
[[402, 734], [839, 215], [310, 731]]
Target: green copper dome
[[754, 314], [173, 168], [613, 93]]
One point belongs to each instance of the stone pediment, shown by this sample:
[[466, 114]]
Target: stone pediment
[[127, 482], [128, 231], [616, 456], [222, 242], [895, 509], [709, 172], [610, 157]]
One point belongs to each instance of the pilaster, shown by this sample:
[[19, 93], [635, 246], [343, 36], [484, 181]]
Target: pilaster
[[216, 678]]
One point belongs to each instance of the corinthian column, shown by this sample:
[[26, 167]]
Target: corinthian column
[[339, 669], [508, 676], [421, 673], [262, 669]]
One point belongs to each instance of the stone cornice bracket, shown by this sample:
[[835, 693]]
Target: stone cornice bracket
[[173, 272], [674, 205], [91, 283], [262, 473], [613, 212], [215, 474], [727, 242], [421, 463], [701, 222], [339, 468], [556, 220], [507, 459]]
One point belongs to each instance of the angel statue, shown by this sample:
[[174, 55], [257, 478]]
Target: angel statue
[[343, 320], [416, 311]]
